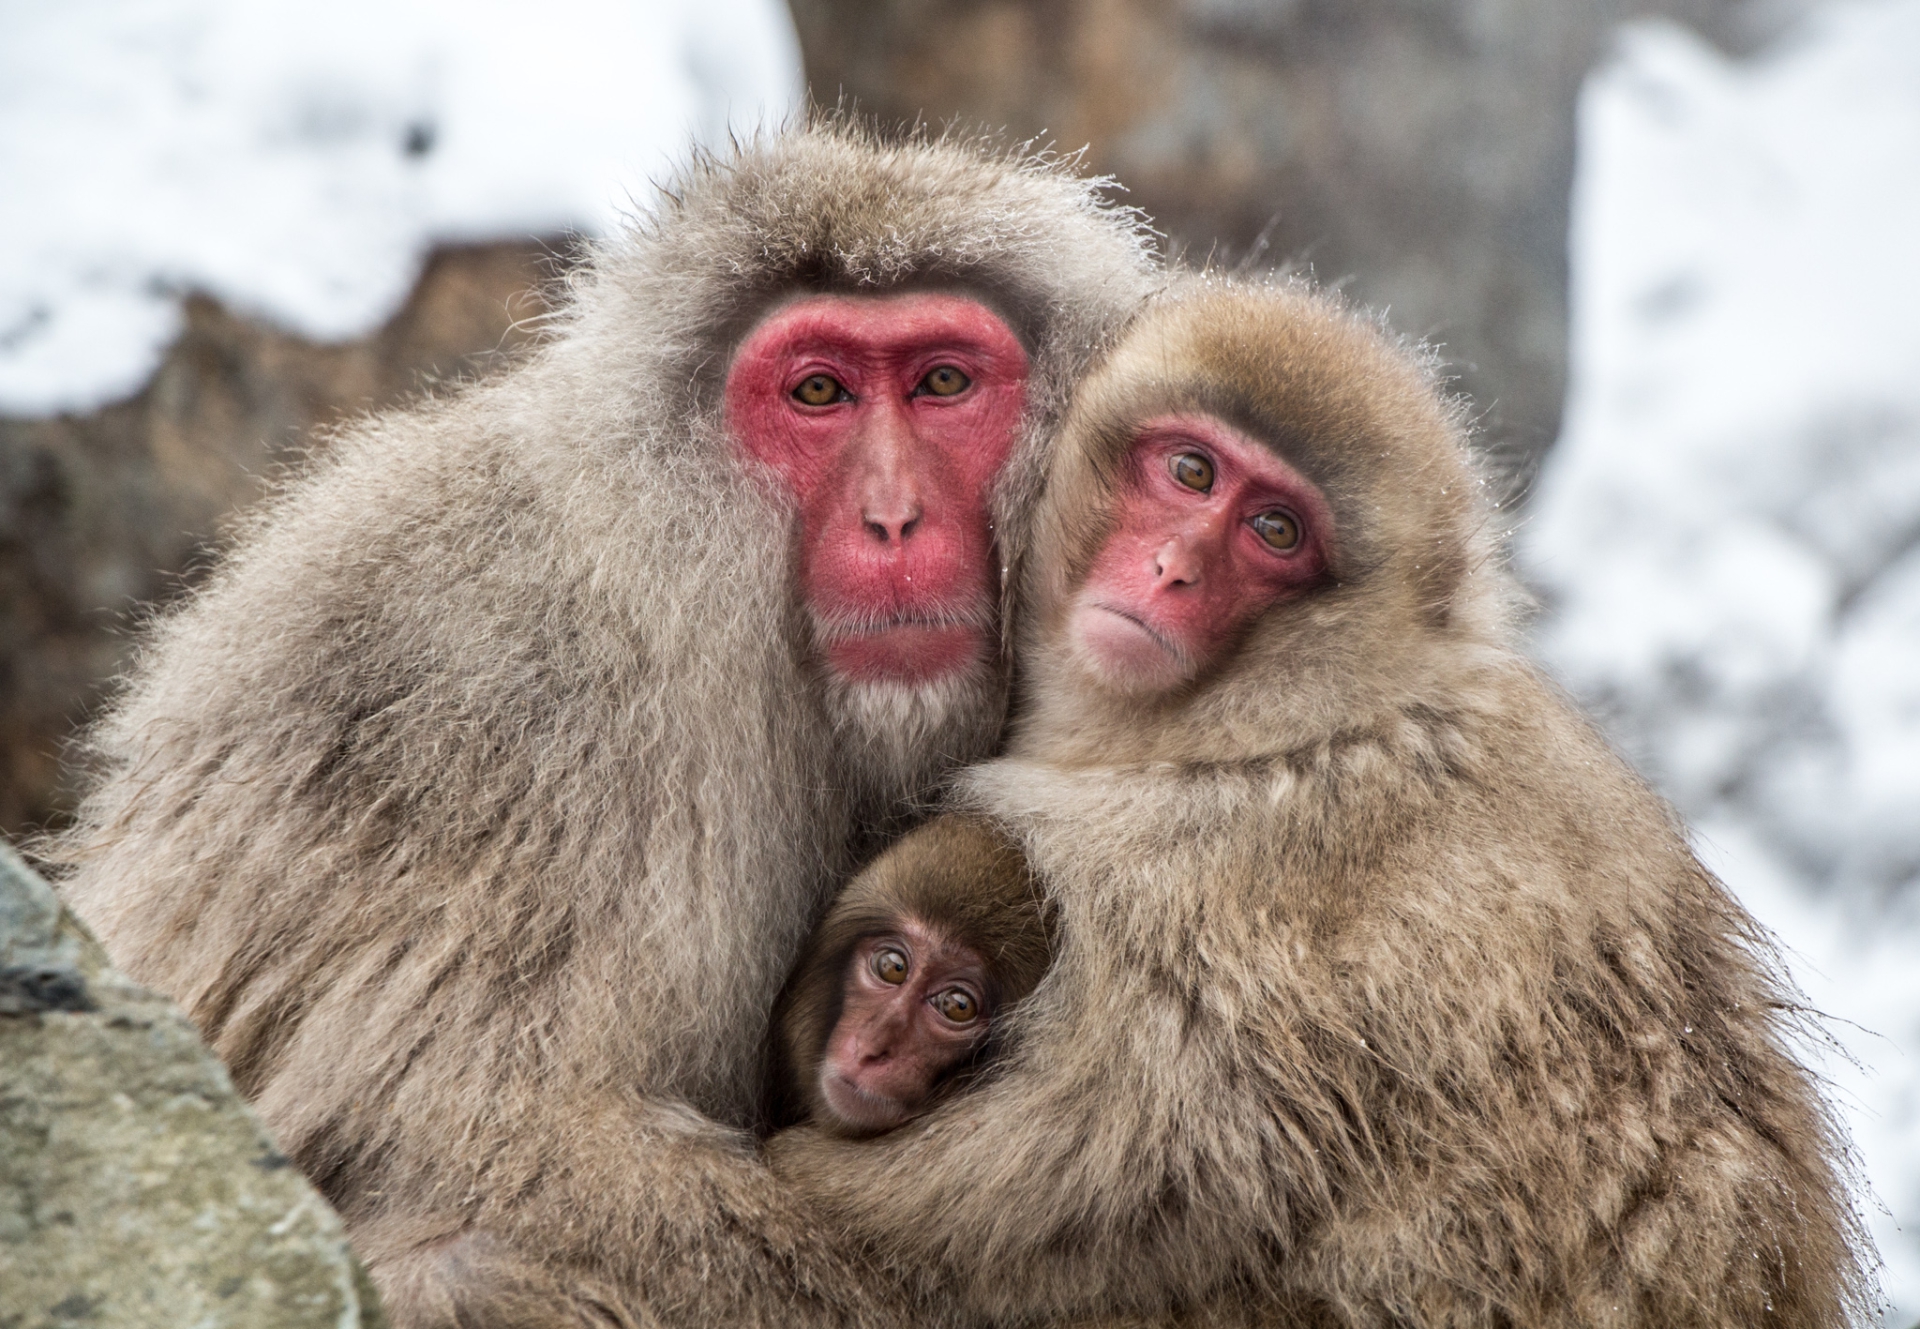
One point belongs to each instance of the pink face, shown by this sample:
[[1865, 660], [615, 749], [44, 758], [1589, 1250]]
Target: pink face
[[1211, 529], [914, 1008], [888, 418]]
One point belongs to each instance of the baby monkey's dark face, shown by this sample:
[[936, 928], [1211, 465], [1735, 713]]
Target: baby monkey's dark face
[[914, 1008]]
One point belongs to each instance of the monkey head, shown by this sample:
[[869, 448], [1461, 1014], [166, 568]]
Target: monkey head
[[915, 1006], [1258, 508], [887, 419], [1209, 530], [907, 981]]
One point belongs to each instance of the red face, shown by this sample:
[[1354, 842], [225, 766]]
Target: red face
[[1211, 529], [915, 1008], [888, 418]]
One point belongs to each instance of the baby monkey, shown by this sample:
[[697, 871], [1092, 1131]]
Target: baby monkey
[[898, 993]]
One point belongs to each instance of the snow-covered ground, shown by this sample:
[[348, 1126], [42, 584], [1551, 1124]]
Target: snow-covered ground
[[1727, 537], [298, 159]]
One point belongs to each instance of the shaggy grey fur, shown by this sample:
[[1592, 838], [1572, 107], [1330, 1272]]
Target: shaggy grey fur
[[1385, 994], [478, 807]]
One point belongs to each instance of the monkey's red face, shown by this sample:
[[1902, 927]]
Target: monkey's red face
[[1211, 529], [914, 1008], [889, 419]]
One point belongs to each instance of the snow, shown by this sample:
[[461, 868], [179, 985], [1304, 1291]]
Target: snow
[[1727, 536], [297, 160]]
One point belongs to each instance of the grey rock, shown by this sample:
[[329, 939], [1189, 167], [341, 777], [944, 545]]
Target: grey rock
[[136, 1187]]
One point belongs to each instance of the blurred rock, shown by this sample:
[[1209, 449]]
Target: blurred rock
[[136, 1188], [102, 513], [1423, 149]]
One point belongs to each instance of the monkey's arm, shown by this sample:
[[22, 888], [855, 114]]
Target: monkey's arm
[[1549, 1081], [1045, 1191], [656, 1216]]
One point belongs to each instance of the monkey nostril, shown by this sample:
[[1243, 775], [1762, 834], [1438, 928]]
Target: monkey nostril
[[889, 530]]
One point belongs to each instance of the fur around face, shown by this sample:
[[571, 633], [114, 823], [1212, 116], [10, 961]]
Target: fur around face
[[1385, 993], [957, 874], [478, 807]]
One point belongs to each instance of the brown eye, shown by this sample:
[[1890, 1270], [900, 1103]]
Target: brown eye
[[890, 966], [958, 1005], [1279, 529], [819, 390], [1193, 471], [944, 381]]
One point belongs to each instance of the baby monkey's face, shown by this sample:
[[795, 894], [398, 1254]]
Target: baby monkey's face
[[915, 1007]]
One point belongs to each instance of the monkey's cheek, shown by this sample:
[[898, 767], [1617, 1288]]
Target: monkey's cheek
[[1122, 652]]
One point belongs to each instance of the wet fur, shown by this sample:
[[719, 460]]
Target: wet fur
[[477, 809], [958, 875], [1385, 994]]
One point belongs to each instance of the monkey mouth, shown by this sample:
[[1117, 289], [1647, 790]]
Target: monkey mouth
[[834, 625], [1124, 650], [913, 645], [1146, 628], [861, 1108]]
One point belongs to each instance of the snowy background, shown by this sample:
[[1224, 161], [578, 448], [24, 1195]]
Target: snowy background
[[1726, 539], [1727, 535], [298, 160]]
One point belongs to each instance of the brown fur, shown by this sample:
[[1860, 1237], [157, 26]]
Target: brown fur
[[957, 874], [1385, 993], [478, 808]]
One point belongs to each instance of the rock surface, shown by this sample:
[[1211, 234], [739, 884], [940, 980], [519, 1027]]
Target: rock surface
[[136, 1187], [123, 507], [1419, 153]]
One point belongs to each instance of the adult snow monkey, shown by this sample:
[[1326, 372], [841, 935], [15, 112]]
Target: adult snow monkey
[[478, 807], [1385, 993]]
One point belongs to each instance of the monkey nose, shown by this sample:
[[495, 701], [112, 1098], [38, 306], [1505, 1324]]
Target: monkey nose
[[1175, 564], [891, 517]]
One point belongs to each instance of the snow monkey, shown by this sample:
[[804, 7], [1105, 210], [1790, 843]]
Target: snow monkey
[[553, 709], [1384, 992], [901, 988]]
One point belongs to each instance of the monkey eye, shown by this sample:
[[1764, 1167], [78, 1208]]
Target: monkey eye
[[1192, 470], [1280, 529], [890, 965], [945, 381], [820, 390], [957, 1005]]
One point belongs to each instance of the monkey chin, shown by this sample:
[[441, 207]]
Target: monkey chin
[[1122, 652], [852, 1110], [901, 738]]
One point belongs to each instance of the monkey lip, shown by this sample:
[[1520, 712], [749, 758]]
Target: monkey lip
[[1137, 622], [1125, 649], [861, 1107], [903, 648]]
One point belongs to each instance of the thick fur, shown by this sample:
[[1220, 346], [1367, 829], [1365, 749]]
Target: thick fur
[[1385, 993], [478, 808], [958, 874]]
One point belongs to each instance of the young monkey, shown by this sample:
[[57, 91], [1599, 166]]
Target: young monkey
[[904, 982]]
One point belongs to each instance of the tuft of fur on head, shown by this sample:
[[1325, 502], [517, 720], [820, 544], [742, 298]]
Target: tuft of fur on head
[[485, 794]]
